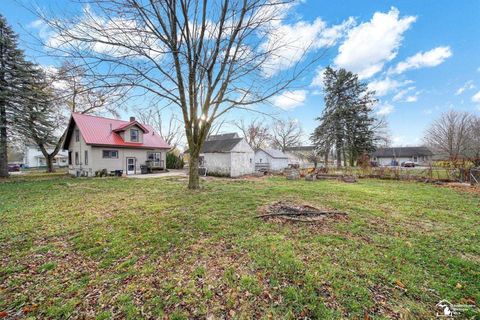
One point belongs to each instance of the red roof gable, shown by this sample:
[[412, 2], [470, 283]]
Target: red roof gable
[[102, 131], [129, 124]]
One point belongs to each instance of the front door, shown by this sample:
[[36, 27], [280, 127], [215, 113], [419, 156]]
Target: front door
[[130, 165]]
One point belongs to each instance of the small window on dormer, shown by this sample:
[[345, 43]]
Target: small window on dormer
[[77, 135], [134, 135]]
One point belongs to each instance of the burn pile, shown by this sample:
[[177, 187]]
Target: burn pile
[[285, 211]]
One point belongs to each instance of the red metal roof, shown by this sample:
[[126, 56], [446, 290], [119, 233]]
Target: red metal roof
[[129, 124], [101, 131]]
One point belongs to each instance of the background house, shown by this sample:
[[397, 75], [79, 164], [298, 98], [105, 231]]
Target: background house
[[228, 155], [34, 158], [97, 143], [299, 156], [270, 159], [396, 156]]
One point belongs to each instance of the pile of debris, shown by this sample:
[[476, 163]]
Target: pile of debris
[[286, 211], [316, 174]]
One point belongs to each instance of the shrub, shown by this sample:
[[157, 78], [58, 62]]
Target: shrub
[[174, 161]]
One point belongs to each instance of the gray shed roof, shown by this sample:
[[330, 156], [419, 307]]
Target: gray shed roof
[[402, 152], [223, 145], [223, 136], [274, 153]]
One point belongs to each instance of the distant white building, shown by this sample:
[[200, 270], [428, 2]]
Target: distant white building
[[299, 156], [33, 157], [270, 159], [228, 155], [397, 155]]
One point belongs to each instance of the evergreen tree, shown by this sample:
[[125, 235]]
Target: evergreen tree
[[36, 120], [11, 65], [346, 122]]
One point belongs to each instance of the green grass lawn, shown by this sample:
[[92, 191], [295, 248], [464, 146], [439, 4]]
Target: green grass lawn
[[128, 248]]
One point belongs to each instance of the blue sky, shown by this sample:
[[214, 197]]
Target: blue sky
[[422, 57]]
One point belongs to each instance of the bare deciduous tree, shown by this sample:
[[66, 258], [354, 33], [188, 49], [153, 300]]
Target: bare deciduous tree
[[205, 57], [286, 134], [169, 127], [473, 152], [449, 135], [255, 133], [381, 131], [73, 91]]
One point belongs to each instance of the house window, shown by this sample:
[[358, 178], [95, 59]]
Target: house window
[[77, 135], [201, 161], [77, 160], [415, 159], [70, 162], [110, 154], [134, 135], [86, 157], [154, 158]]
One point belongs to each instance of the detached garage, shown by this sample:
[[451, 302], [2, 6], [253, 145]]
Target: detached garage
[[227, 155], [270, 159]]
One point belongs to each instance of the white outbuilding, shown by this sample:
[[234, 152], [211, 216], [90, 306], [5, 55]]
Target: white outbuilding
[[227, 155], [270, 159]]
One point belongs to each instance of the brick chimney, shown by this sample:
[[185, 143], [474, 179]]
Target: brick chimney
[[132, 119]]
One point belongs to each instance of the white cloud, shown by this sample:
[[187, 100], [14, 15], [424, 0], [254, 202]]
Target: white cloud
[[398, 140], [290, 99], [476, 97], [402, 93], [412, 98], [430, 58], [118, 36], [371, 44], [406, 95], [385, 86], [290, 42], [384, 109], [317, 80], [36, 24], [467, 86]]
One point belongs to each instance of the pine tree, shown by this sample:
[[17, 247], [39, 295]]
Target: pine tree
[[36, 120], [11, 64], [346, 122]]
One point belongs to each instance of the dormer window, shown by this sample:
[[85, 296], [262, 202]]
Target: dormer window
[[134, 135]]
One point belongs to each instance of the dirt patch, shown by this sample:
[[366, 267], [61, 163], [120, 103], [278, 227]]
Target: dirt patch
[[381, 296], [286, 211], [463, 187]]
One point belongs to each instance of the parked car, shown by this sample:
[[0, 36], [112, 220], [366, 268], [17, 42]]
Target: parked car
[[408, 164], [13, 167]]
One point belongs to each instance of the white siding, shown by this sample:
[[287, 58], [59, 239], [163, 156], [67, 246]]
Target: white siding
[[261, 157], [387, 161], [275, 164], [96, 161], [217, 163], [242, 159], [34, 158], [238, 162], [242, 163]]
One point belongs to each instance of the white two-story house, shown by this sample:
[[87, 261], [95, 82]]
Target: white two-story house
[[96, 143]]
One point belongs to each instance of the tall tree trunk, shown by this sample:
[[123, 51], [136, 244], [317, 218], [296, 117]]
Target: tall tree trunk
[[193, 178], [3, 141], [338, 149], [49, 160]]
